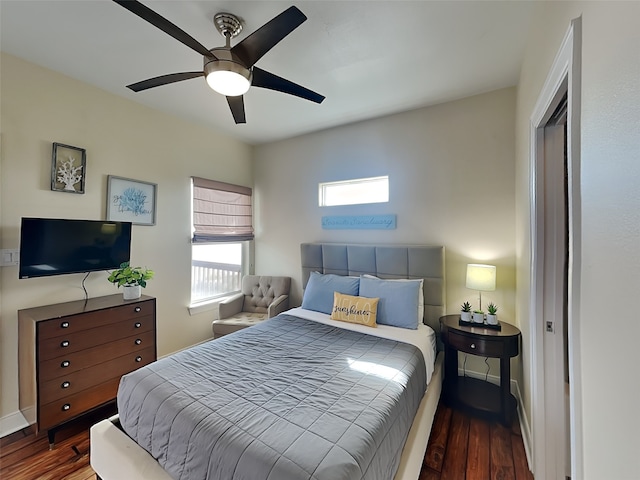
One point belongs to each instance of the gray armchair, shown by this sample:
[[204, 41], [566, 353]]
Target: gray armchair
[[261, 297]]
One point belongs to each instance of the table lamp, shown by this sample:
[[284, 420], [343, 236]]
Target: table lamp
[[482, 278]]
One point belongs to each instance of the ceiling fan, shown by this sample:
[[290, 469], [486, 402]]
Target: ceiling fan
[[229, 70]]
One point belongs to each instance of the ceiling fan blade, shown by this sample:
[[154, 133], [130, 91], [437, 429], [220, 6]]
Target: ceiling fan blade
[[163, 80], [165, 25], [264, 79], [252, 48], [236, 104]]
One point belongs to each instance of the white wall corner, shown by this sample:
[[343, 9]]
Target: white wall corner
[[13, 422]]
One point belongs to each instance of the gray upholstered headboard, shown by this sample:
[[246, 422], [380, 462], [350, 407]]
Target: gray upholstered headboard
[[384, 261]]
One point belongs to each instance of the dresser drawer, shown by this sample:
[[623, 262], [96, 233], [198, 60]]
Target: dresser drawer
[[475, 345], [73, 354], [79, 380], [67, 364], [80, 340], [64, 409], [75, 323]]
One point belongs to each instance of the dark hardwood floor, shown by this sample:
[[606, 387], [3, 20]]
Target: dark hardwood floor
[[460, 448], [25, 456]]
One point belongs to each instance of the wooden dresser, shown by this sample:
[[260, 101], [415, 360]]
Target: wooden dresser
[[72, 355]]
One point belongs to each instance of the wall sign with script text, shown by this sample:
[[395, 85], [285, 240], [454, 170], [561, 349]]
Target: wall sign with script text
[[359, 222]]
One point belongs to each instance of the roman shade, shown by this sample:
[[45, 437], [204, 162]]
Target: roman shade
[[221, 212]]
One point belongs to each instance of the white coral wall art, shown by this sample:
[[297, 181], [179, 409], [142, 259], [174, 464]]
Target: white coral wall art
[[68, 168]]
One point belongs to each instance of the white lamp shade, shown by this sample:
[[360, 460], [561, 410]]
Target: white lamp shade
[[481, 277]]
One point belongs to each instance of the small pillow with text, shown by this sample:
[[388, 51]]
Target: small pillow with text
[[360, 310]]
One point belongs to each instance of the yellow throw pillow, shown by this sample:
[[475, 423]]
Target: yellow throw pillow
[[361, 310]]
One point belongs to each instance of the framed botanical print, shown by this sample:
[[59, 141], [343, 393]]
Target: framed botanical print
[[131, 200]]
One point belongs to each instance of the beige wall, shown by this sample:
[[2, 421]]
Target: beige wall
[[610, 215], [451, 173], [122, 138]]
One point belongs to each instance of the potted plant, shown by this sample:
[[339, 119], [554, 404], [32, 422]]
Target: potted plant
[[132, 279], [478, 316], [465, 312], [492, 317]]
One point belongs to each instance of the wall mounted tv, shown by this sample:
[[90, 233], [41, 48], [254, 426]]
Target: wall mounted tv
[[50, 246]]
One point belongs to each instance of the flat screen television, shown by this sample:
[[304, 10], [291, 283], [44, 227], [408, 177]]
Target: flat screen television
[[51, 246]]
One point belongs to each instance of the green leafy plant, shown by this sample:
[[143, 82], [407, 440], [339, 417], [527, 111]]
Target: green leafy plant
[[466, 307], [130, 276], [478, 311], [492, 309]]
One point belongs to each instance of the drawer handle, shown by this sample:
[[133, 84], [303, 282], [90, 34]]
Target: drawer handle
[[473, 345], [137, 325], [65, 385], [65, 364], [64, 325], [66, 406], [64, 343], [138, 358], [138, 341], [137, 309]]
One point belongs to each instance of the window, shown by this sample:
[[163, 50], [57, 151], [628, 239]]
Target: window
[[216, 270], [351, 192], [222, 227]]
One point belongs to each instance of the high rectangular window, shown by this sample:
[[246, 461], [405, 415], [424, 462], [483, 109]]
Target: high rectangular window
[[356, 191]]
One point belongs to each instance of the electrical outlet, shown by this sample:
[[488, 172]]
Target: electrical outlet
[[9, 257]]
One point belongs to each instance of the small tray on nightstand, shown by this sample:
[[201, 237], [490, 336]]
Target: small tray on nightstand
[[480, 325]]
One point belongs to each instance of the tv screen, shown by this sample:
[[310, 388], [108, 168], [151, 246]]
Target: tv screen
[[50, 246]]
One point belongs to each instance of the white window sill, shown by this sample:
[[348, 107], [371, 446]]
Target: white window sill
[[202, 307], [208, 305]]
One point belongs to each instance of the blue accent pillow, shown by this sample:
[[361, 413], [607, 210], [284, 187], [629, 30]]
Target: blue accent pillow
[[398, 305], [318, 295]]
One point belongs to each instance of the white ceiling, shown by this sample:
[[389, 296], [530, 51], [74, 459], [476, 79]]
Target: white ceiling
[[369, 58]]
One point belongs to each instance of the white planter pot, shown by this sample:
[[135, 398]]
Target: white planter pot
[[478, 317], [465, 316], [492, 319], [131, 292]]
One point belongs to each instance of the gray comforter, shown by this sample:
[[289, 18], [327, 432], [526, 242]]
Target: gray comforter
[[288, 399]]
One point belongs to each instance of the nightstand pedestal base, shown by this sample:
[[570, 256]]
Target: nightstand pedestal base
[[480, 398]]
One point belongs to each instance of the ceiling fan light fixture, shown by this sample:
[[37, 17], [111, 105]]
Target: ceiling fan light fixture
[[227, 77]]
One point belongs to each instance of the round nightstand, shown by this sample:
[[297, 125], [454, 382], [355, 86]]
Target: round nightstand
[[478, 396]]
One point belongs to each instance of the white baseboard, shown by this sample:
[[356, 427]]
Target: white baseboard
[[12, 423], [525, 429]]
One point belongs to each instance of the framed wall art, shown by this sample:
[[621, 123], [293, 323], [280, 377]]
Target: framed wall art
[[68, 168], [131, 200]]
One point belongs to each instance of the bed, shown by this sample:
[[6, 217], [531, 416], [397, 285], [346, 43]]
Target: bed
[[297, 395]]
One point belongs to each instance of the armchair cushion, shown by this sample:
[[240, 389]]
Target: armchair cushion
[[261, 297]]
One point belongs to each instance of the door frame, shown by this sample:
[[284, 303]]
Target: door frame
[[564, 76]]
